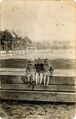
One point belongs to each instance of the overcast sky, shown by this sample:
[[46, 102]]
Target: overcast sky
[[40, 20]]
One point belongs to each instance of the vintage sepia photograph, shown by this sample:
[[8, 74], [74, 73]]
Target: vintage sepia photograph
[[37, 59]]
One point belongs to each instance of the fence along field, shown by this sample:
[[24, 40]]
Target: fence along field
[[47, 53], [60, 89]]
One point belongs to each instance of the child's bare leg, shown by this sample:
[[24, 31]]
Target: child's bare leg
[[47, 83], [28, 78], [36, 78], [33, 80], [41, 77], [33, 76], [44, 80]]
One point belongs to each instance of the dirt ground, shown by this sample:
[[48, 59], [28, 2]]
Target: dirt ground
[[36, 110]]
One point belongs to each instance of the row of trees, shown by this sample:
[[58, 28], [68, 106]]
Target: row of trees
[[12, 41]]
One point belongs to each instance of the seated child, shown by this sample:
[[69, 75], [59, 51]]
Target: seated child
[[39, 71], [30, 72], [48, 70]]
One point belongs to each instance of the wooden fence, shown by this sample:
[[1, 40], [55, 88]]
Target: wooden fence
[[60, 89]]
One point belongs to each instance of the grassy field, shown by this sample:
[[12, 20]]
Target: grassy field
[[24, 110]]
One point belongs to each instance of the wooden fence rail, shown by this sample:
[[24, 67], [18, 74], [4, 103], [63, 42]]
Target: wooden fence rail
[[61, 88], [22, 72]]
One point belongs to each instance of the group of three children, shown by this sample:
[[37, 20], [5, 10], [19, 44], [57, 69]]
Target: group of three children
[[39, 72]]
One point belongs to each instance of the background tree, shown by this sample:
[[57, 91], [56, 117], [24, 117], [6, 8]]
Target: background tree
[[21, 42], [12, 41], [6, 40]]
